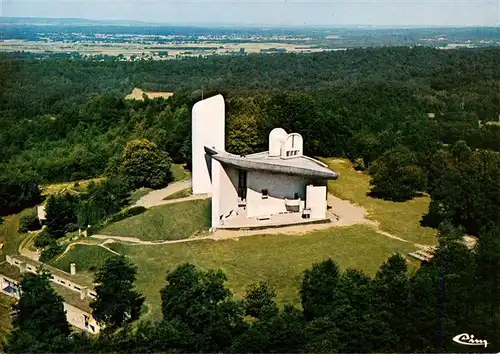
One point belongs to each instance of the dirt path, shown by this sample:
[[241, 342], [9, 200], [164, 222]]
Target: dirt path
[[23, 249], [155, 197], [70, 246], [180, 200], [343, 213]]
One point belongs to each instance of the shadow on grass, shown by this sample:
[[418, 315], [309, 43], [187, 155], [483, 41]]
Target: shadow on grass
[[381, 195], [431, 220]]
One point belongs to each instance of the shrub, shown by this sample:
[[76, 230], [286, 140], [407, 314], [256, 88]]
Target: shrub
[[71, 227], [60, 212], [127, 213], [18, 192], [143, 164], [396, 175], [43, 239], [29, 221], [359, 164], [51, 251]]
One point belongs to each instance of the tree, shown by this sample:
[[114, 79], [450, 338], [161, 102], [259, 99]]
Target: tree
[[243, 117], [198, 304], [18, 192], [40, 324], [144, 165], [117, 302], [60, 212], [43, 239], [29, 220], [285, 332], [487, 286], [259, 301], [343, 301], [101, 200], [396, 175], [318, 289], [391, 291], [437, 291], [467, 191]]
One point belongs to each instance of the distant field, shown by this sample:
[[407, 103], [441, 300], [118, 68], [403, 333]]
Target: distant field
[[400, 219], [279, 259], [140, 50], [137, 93], [166, 222]]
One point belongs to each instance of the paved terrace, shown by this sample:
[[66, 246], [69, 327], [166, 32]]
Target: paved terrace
[[241, 221]]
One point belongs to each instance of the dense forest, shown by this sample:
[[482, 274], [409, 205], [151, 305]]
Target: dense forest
[[418, 120], [388, 109]]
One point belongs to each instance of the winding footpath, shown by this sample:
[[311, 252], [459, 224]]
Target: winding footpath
[[344, 213], [156, 197]]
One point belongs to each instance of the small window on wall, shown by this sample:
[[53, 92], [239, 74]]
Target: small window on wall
[[264, 194]]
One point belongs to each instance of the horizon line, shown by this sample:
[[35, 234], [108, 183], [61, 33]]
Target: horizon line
[[247, 25]]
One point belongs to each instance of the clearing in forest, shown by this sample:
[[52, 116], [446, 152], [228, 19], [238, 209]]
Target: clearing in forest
[[279, 258], [137, 93]]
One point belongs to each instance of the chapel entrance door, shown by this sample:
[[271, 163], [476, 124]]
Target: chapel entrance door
[[242, 185]]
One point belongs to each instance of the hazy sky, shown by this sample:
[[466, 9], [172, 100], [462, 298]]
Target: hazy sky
[[274, 12]]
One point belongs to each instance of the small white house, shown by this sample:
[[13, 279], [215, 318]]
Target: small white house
[[277, 187]]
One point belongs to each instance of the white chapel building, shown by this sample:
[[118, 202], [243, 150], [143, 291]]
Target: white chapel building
[[277, 187]]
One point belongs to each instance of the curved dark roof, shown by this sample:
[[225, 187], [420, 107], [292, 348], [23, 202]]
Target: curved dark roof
[[300, 165]]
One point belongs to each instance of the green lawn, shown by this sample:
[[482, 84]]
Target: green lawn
[[166, 222], [88, 258], [180, 194], [400, 219], [179, 172], [279, 259]]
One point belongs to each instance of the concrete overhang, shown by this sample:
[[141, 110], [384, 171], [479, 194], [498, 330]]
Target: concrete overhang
[[299, 166]]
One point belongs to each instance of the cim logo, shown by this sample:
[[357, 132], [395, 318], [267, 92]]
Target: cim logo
[[468, 339]]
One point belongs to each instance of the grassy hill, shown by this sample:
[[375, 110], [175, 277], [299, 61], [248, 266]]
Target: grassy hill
[[88, 258], [279, 259], [167, 222], [399, 219]]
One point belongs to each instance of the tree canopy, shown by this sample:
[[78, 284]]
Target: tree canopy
[[40, 324], [116, 302]]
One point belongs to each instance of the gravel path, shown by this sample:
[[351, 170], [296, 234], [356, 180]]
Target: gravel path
[[155, 197], [24, 251], [343, 213]]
